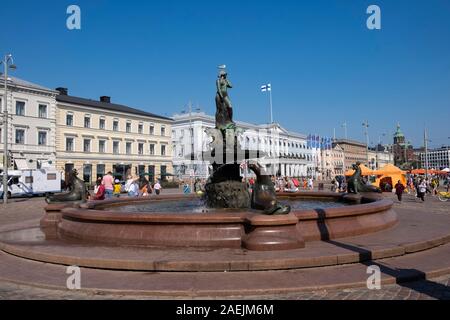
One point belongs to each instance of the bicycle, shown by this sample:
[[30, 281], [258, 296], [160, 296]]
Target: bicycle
[[443, 196]]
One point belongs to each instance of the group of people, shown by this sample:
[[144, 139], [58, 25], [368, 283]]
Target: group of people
[[198, 186], [420, 186], [339, 184], [286, 184], [291, 184], [108, 187]]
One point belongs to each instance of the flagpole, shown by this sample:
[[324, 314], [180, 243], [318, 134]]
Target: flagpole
[[270, 97]]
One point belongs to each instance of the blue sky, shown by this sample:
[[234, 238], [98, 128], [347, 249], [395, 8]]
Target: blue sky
[[324, 65]]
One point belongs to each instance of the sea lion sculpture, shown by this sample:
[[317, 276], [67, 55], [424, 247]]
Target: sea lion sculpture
[[356, 184], [263, 195], [77, 187]]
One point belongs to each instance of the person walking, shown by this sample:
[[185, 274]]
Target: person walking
[[399, 189], [422, 188], [157, 187], [108, 182]]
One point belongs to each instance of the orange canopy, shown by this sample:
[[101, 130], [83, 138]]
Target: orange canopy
[[388, 169], [364, 171], [389, 173], [422, 171]]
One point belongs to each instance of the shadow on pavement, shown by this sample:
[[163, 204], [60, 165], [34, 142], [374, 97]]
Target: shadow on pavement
[[409, 278]]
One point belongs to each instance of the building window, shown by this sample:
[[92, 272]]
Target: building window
[[100, 170], [116, 147], [101, 123], [20, 108], [87, 172], [101, 146], [69, 144], [87, 122], [163, 172], [87, 145], [163, 131], [128, 127], [42, 111], [163, 150], [42, 138], [128, 148], [152, 149], [140, 128], [115, 125], [151, 173], [20, 136], [69, 120], [174, 134], [141, 148], [152, 129]]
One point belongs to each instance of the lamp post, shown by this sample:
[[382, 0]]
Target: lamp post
[[8, 62], [344, 125], [448, 155], [191, 147], [366, 133], [425, 138]]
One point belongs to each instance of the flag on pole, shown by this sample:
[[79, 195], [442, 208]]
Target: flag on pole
[[266, 87]]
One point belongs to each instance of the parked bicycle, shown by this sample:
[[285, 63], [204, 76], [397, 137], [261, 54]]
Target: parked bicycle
[[444, 196]]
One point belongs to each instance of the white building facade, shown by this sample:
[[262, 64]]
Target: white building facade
[[287, 152], [438, 159], [379, 157], [31, 124]]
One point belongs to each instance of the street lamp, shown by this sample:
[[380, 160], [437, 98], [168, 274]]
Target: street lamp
[[448, 155], [344, 125], [8, 63], [425, 142], [365, 124]]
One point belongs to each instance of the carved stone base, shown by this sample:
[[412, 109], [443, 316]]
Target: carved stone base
[[272, 233], [227, 194]]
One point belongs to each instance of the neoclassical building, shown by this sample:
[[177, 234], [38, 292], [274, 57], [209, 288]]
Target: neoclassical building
[[332, 162], [354, 151], [287, 152], [31, 125], [97, 136]]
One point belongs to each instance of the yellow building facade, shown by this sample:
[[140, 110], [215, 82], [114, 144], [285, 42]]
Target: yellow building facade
[[95, 137]]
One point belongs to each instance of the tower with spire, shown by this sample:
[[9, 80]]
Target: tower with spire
[[399, 137], [402, 149]]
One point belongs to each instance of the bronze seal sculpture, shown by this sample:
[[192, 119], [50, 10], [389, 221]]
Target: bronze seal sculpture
[[77, 190], [356, 184]]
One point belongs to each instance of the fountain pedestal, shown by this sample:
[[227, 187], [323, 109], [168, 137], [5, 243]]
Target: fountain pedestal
[[265, 232]]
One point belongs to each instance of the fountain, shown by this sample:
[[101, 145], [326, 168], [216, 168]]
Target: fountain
[[230, 216], [225, 188]]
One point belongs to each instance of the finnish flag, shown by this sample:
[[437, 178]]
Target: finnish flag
[[265, 88]]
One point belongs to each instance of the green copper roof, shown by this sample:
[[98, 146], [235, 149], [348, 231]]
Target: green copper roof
[[399, 132]]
